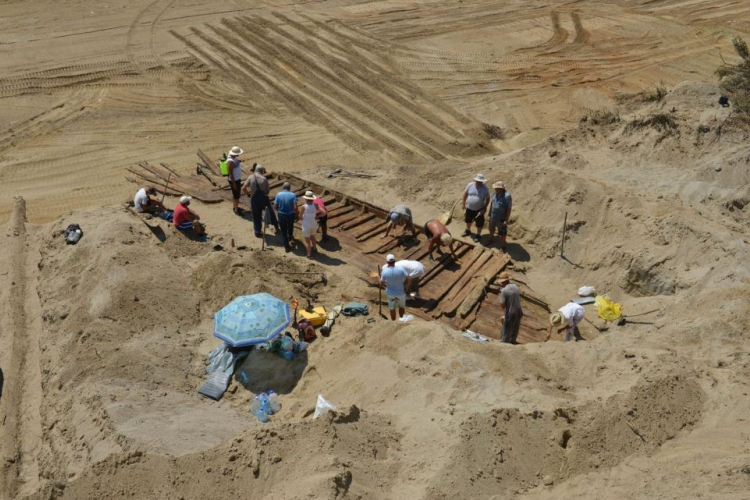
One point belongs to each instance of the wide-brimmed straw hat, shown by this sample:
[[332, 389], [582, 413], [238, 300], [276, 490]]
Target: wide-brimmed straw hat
[[557, 320], [480, 178], [498, 185], [504, 277], [309, 196], [260, 168], [235, 151]]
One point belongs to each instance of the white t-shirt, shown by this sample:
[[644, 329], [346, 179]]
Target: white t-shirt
[[573, 313], [414, 268], [477, 196], [141, 197], [309, 220], [234, 164]]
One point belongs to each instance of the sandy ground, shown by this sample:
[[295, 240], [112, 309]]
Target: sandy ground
[[102, 344]]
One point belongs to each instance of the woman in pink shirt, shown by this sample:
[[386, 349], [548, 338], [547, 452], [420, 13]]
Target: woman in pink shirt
[[322, 219]]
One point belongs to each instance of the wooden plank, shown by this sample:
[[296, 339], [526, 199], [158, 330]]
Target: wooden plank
[[211, 165], [357, 222], [477, 256], [459, 286], [343, 220], [371, 230], [440, 265], [337, 212]]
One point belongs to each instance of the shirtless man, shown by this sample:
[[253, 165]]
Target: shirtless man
[[439, 236]]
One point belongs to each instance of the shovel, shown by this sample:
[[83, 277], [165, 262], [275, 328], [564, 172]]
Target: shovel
[[624, 319], [448, 216]]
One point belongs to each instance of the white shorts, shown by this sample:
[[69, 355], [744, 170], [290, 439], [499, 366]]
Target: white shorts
[[309, 232]]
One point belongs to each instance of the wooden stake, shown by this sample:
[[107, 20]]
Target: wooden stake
[[164, 193], [565, 225], [380, 294]]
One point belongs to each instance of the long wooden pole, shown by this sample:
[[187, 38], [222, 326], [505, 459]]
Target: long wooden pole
[[562, 243], [380, 294], [163, 194]]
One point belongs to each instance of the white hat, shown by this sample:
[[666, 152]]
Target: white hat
[[235, 151], [309, 196], [186, 199], [390, 258], [260, 168], [557, 320], [480, 178], [498, 185]]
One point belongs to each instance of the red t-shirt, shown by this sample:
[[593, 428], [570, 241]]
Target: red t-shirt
[[322, 205], [181, 214]]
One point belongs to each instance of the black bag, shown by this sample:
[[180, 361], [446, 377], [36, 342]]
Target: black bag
[[72, 234]]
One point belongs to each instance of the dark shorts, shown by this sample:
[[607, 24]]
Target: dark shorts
[[427, 232], [474, 215], [185, 225], [496, 225], [235, 186], [323, 223]]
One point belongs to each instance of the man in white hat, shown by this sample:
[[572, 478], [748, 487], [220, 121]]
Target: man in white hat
[[257, 188], [566, 319], [395, 280], [475, 201], [185, 219], [510, 301], [234, 177], [400, 215], [500, 208]]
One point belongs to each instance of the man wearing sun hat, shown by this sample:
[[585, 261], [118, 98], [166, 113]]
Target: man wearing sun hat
[[234, 177], [396, 280], [566, 320], [500, 208], [510, 301], [475, 201]]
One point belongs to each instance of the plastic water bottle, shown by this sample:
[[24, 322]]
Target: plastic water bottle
[[287, 355], [287, 344], [273, 398], [255, 405], [244, 378], [262, 414], [265, 402]]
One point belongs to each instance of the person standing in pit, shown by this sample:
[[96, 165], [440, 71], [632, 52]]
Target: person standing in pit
[[286, 204], [234, 177], [475, 201], [395, 280], [510, 301]]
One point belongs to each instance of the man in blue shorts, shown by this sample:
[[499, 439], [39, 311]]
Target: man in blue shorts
[[396, 280]]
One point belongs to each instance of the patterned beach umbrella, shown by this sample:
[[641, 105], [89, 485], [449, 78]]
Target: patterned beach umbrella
[[251, 319]]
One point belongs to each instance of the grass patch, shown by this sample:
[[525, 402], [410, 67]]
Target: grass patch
[[601, 116], [735, 79], [656, 95], [659, 121], [493, 131]]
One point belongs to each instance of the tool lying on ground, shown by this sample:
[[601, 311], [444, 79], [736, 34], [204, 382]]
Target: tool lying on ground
[[340, 172], [626, 319], [325, 330]]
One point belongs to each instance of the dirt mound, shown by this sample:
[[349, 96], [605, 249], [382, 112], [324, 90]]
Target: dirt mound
[[509, 451]]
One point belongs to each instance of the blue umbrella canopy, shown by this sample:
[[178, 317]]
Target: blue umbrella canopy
[[251, 319]]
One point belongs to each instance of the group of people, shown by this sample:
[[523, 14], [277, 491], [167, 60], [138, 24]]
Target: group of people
[[400, 278]]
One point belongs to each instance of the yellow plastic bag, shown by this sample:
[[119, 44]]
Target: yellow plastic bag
[[606, 309]]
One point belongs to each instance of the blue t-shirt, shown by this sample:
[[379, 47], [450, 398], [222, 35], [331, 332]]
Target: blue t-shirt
[[501, 205], [394, 278], [285, 201]]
